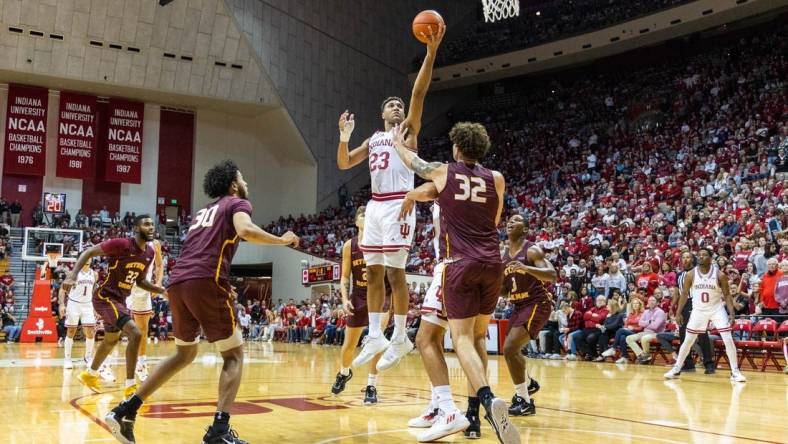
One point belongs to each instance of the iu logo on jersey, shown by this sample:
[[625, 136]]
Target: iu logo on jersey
[[404, 230]]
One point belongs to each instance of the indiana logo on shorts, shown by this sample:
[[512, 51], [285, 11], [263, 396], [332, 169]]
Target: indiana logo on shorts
[[404, 230]]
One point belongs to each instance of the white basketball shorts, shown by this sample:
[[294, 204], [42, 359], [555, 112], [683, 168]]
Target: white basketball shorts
[[432, 307], [387, 239], [80, 311], [699, 320], [139, 302]]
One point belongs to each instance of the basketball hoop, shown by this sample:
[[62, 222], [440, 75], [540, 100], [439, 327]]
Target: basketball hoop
[[495, 10], [53, 257]]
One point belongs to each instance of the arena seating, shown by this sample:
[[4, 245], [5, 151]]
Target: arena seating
[[541, 22]]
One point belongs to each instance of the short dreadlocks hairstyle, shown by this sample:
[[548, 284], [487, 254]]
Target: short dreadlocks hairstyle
[[219, 178], [391, 99], [471, 139]]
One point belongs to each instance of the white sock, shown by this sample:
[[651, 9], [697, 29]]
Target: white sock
[[399, 326], [69, 344], [374, 325], [434, 398], [785, 351], [141, 359], [89, 343], [344, 371], [92, 372], [522, 391], [527, 378], [372, 379], [730, 350], [130, 382], [445, 401]]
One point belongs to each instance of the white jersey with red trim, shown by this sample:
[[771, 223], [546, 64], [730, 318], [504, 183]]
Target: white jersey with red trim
[[390, 178], [706, 292], [82, 292]]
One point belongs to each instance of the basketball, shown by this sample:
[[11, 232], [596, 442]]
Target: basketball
[[426, 23]]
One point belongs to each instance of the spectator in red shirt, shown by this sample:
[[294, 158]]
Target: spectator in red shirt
[[767, 303], [593, 319], [647, 280]]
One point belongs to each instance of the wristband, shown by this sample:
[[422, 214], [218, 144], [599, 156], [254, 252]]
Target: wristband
[[344, 138]]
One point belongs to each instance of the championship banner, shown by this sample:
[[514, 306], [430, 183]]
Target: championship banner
[[124, 141], [76, 141], [26, 130]]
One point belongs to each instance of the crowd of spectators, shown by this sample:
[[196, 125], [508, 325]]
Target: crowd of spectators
[[541, 22]]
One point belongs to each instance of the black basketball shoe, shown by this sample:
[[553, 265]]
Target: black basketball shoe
[[121, 426], [370, 395], [341, 381], [228, 437], [521, 407], [533, 387], [474, 431]]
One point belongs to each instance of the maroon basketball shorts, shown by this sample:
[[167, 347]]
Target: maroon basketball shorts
[[360, 316], [113, 311], [531, 315], [201, 303], [471, 288]]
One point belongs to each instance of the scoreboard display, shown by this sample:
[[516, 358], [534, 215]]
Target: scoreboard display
[[320, 273], [54, 203]]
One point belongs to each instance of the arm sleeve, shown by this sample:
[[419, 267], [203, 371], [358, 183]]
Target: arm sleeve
[[114, 247]]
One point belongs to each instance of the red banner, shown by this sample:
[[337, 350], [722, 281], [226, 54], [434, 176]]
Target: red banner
[[124, 141], [76, 141], [26, 130]]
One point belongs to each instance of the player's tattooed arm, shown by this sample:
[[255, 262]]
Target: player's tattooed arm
[[423, 168]]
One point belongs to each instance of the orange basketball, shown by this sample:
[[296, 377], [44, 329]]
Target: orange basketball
[[425, 22]]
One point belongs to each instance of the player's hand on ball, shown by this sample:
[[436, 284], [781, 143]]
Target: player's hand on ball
[[434, 39], [346, 126], [291, 239], [406, 208]]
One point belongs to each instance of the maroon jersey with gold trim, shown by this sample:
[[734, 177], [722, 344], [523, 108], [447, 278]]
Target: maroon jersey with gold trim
[[127, 262], [469, 206], [211, 243], [522, 287], [358, 268]]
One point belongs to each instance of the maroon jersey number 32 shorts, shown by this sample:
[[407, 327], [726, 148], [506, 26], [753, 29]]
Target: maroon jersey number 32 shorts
[[201, 302], [471, 288]]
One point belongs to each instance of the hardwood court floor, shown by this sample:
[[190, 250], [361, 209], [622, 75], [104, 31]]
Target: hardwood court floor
[[285, 398]]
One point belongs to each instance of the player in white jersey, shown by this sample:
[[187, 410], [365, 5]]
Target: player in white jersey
[[139, 302], [77, 307], [387, 239], [710, 295]]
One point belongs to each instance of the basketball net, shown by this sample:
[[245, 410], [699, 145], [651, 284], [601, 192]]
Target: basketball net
[[50, 264], [495, 10]]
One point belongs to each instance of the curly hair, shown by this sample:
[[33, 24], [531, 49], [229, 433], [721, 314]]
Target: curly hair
[[471, 139], [219, 178], [391, 99]]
